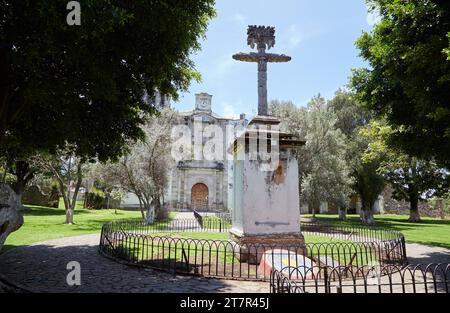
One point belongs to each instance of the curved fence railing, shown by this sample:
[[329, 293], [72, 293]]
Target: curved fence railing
[[433, 278], [351, 232], [163, 246], [137, 226]]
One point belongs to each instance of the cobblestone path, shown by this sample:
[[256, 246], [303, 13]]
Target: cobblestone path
[[42, 268]]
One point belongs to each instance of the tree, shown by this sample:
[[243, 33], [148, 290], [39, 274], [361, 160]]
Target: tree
[[409, 76], [24, 173], [17, 164], [369, 184], [412, 179], [349, 115], [67, 169], [145, 169], [323, 170], [85, 86], [351, 119]]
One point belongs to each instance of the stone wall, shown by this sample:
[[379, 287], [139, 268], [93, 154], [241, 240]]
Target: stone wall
[[34, 196], [392, 206]]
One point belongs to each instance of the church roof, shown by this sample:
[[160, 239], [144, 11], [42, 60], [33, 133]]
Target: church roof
[[215, 115]]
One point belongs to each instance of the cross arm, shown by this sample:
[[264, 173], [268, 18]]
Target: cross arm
[[246, 57], [255, 57], [277, 58]]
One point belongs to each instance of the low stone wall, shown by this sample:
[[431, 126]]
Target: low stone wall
[[392, 206], [34, 196]]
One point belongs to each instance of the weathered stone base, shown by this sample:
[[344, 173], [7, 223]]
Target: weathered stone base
[[250, 248]]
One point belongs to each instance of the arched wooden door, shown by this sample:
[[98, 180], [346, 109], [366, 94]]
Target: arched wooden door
[[199, 197]]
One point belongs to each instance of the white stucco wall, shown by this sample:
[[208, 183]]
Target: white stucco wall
[[268, 207], [129, 200]]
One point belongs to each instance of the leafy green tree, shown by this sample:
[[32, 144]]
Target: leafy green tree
[[68, 171], [85, 85], [369, 184], [324, 173], [144, 171], [351, 118], [412, 179], [408, 81]]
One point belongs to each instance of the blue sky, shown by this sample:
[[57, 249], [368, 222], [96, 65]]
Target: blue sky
[[319, 35]]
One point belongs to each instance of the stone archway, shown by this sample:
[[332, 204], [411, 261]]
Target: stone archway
[[199, 197]]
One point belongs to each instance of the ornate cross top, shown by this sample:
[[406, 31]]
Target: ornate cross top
[[261, 37]]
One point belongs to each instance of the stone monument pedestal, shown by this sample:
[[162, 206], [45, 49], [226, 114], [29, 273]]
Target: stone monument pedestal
[[266, 210], [250, 249]]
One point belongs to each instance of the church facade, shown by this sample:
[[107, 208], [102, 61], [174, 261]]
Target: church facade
[[203, 185]]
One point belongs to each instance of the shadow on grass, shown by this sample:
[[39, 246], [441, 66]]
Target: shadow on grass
[[43, 211], [387, 222], [46, 211], [8, 247], [423, 222], [425, 232]]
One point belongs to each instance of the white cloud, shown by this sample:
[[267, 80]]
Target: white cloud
[[224, 65], [228, 110], [294, 36], [241, 19], [221, 67]]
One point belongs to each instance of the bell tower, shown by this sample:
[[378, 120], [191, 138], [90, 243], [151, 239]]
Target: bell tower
[[203, 102]]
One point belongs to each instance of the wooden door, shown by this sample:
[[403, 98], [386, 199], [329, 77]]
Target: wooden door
[[199, 197]]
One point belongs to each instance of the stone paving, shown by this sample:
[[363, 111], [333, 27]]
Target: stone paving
[[420, 254], [42, 268]]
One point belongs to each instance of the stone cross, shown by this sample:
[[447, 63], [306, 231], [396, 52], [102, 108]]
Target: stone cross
[[263, 37]]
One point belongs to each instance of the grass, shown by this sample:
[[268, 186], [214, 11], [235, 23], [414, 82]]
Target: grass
[[225, 236], [44, 223], [432, 232], [218, 258], [214, 222]]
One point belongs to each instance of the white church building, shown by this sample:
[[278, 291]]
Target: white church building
[[203, 184], [200, 184]]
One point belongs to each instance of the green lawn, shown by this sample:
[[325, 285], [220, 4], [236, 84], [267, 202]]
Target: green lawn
[[166, 253], [214, 222], [434, 232], [225, 236], [44, 223]]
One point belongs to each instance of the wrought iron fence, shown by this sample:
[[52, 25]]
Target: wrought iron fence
[[432, 278], [138, 226], [351, 232], [159, 246]]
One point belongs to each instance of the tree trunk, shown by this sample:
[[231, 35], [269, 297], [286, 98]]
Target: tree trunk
[[441, 208], [367, 213], [149, 209], [19, 188], [141, 207], [343, 214], [10, 217], [24, 174], [367, 217], [69, 216], [150, 219], [414, 216]]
